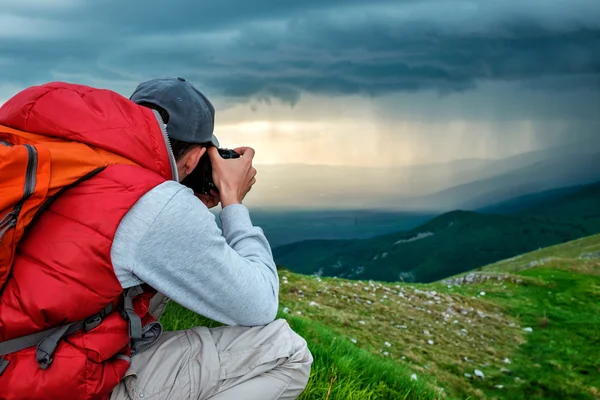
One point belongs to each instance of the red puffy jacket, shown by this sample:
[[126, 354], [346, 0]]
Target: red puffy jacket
[[63, 271]]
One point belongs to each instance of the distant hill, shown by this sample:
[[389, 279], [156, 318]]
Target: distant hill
[[447, 245], [523, 328], [568, 170], [520, 203], [582, 201]]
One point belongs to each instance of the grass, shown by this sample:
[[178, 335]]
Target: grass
[[339, 370], [368, 338]]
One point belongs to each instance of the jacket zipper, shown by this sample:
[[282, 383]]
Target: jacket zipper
[[163, 129], [10, 219]]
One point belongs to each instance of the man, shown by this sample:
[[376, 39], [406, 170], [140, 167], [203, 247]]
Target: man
[[156, 233], [169, 240]]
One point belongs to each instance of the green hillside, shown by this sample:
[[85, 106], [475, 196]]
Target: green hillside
[[524, 328], [449, 244]]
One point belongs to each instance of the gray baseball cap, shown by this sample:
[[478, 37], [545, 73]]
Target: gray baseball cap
[[191, 115]]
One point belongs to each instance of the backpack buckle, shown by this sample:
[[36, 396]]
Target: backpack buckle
[[92, 322]]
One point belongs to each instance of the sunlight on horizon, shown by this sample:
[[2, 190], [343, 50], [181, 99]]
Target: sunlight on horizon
[[371, 144]]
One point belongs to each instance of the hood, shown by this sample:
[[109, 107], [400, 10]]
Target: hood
[[97, 117]]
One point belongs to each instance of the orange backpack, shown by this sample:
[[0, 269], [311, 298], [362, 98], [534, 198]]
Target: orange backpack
[[34, 171]]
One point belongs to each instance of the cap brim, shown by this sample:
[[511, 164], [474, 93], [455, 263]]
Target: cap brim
[[214, 141]]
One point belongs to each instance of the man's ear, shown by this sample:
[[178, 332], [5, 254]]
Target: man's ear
[[192, 158]]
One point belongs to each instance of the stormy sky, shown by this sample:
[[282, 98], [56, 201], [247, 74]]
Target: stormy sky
[[355, 82]]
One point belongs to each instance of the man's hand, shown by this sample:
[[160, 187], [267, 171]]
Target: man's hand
[[233, 177], [210, 200]]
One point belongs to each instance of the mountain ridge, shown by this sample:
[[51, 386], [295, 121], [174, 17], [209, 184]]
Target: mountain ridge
[[555, 202]]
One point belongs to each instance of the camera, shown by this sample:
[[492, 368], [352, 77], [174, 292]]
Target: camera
[[200, 180]]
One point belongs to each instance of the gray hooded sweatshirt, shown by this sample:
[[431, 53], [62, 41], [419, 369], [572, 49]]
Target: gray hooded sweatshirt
[[170, 240]]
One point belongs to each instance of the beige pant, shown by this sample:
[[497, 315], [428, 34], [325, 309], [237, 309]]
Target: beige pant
[[226, 363]]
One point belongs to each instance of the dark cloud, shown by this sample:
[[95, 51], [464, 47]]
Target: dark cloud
[[264, 49]]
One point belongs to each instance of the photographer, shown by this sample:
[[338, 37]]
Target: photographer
[[98, 230], [170, 240]]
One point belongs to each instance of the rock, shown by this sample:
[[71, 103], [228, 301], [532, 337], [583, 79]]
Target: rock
[[482, 293], [528, 329], [426, 332], [506, 361], [499, 386], [430, 342], [362, 322], [590, 256], [413, 377], [312, 303], [479, 374], [385, 353], [353, 340], [505, 371], [286, 310], [468, 375], [388, 344]]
